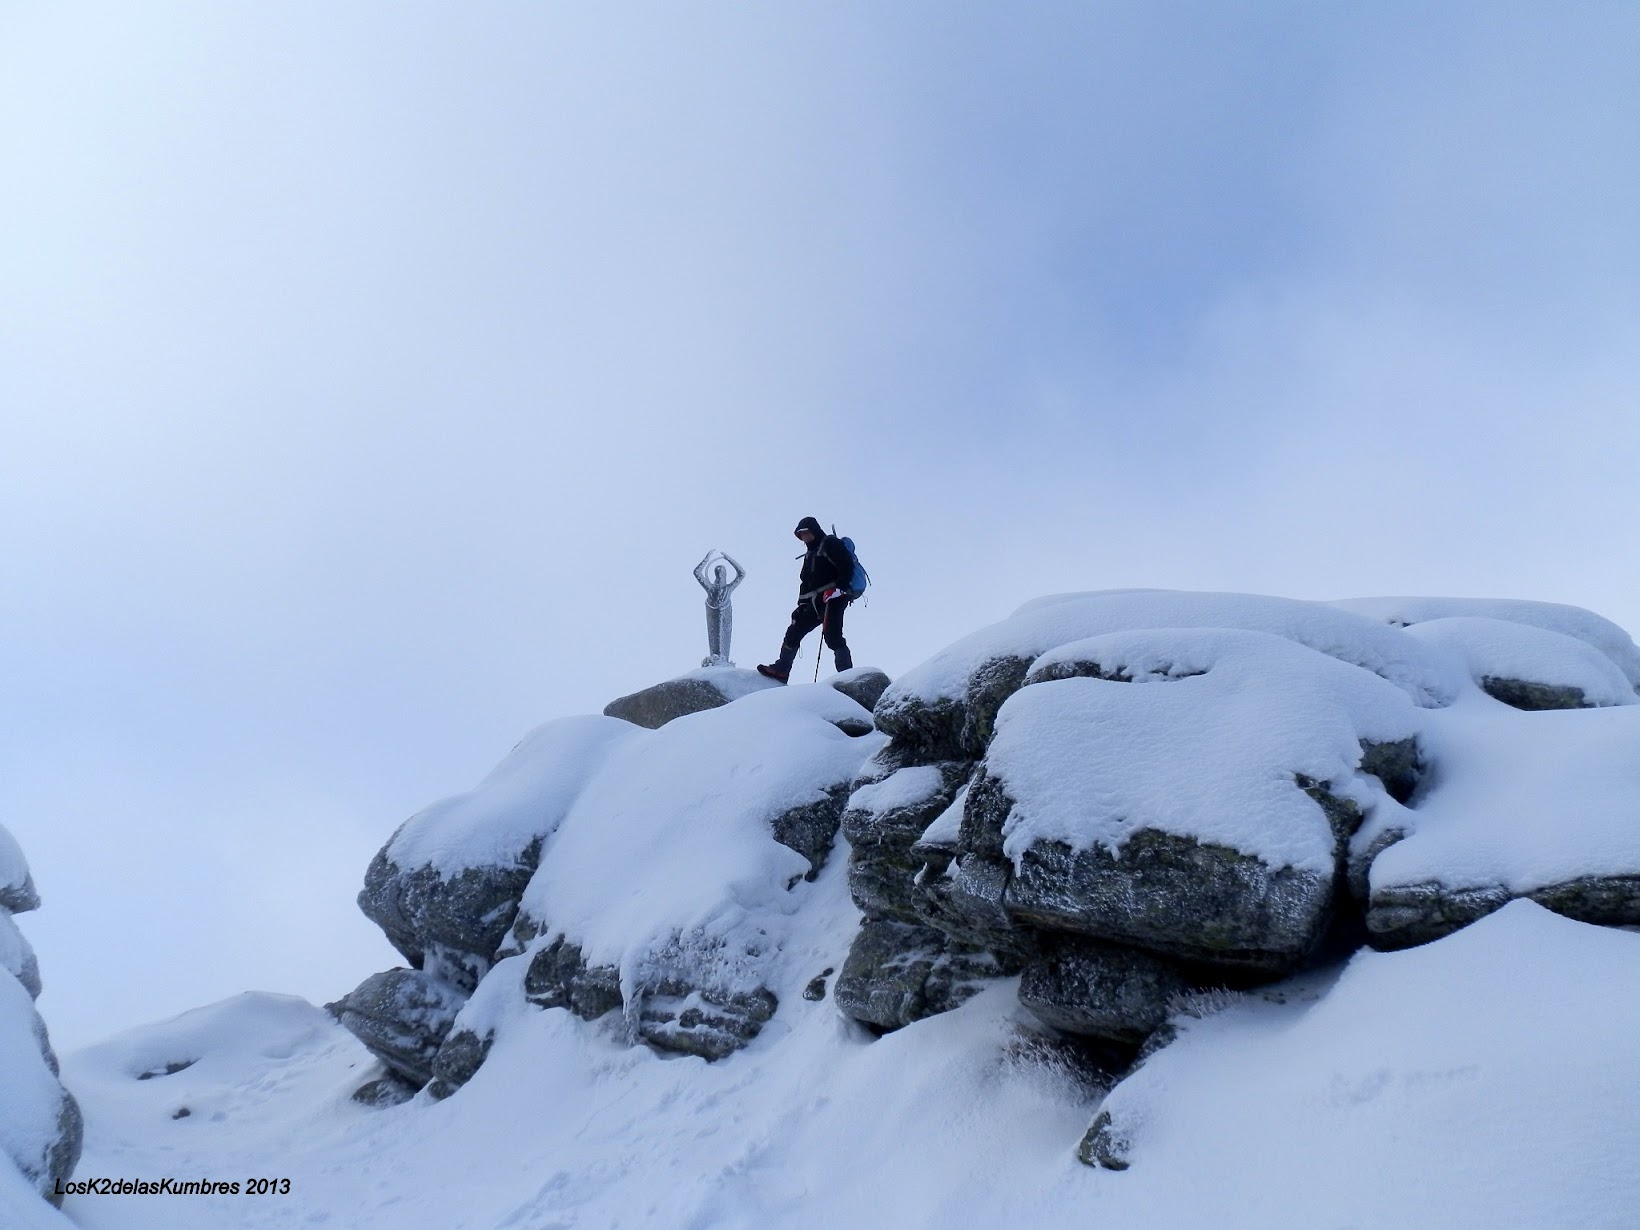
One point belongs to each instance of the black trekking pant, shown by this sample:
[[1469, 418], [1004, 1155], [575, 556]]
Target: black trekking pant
[[809, 615]]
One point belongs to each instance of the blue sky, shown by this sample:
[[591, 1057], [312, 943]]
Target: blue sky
[[372, 376]]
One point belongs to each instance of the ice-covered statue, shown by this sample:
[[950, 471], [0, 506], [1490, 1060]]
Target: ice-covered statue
[[719, 614]]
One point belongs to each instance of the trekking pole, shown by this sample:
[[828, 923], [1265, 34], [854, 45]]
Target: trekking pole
[[825, 613]]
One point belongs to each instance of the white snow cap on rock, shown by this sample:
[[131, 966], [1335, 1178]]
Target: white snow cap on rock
[[1503, 649], [16, 886], [1208, 748], [670, 843], [1572, 621], [1047, 623], [1521, 800], [524, 797]]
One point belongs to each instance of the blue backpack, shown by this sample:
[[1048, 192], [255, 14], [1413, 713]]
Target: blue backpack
[[859, 578]]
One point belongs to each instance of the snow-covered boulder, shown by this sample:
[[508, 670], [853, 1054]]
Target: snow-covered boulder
[[40, 1126], [665, 862], [1206, 820], [950, 702], [1208, 779], [920, 950], [238, 1075], [667, 889], [707, 688], [445, 889], [17, 893], [1529, 667], [1593, 630], [1199, 810], [1543, 805]]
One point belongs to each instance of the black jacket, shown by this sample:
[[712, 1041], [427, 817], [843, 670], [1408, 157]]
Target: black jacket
[[825, 563]]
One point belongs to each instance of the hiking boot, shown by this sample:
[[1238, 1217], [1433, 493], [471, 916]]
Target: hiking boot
[[774, 671]]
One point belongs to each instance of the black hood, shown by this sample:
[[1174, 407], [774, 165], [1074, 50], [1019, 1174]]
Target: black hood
[[811, 525]]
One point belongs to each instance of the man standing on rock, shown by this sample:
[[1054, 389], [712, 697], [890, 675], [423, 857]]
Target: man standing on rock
[[823, 596]]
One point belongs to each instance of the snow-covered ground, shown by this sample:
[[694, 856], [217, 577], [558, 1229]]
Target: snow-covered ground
[[1485, 1081]]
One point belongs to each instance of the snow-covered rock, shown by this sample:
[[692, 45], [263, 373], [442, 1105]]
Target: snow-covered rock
[[707, 688], [1179, 812], [1593, 630], [897, 973], [1541, 805], [950, 702], [1209, 778], [40, 1122], [1527, 666], [445, 890], [404, 1017], [17, 893], [891, 805], [17, 956], [664, 863], [673, 875], [1086, 987], [446, 887]]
